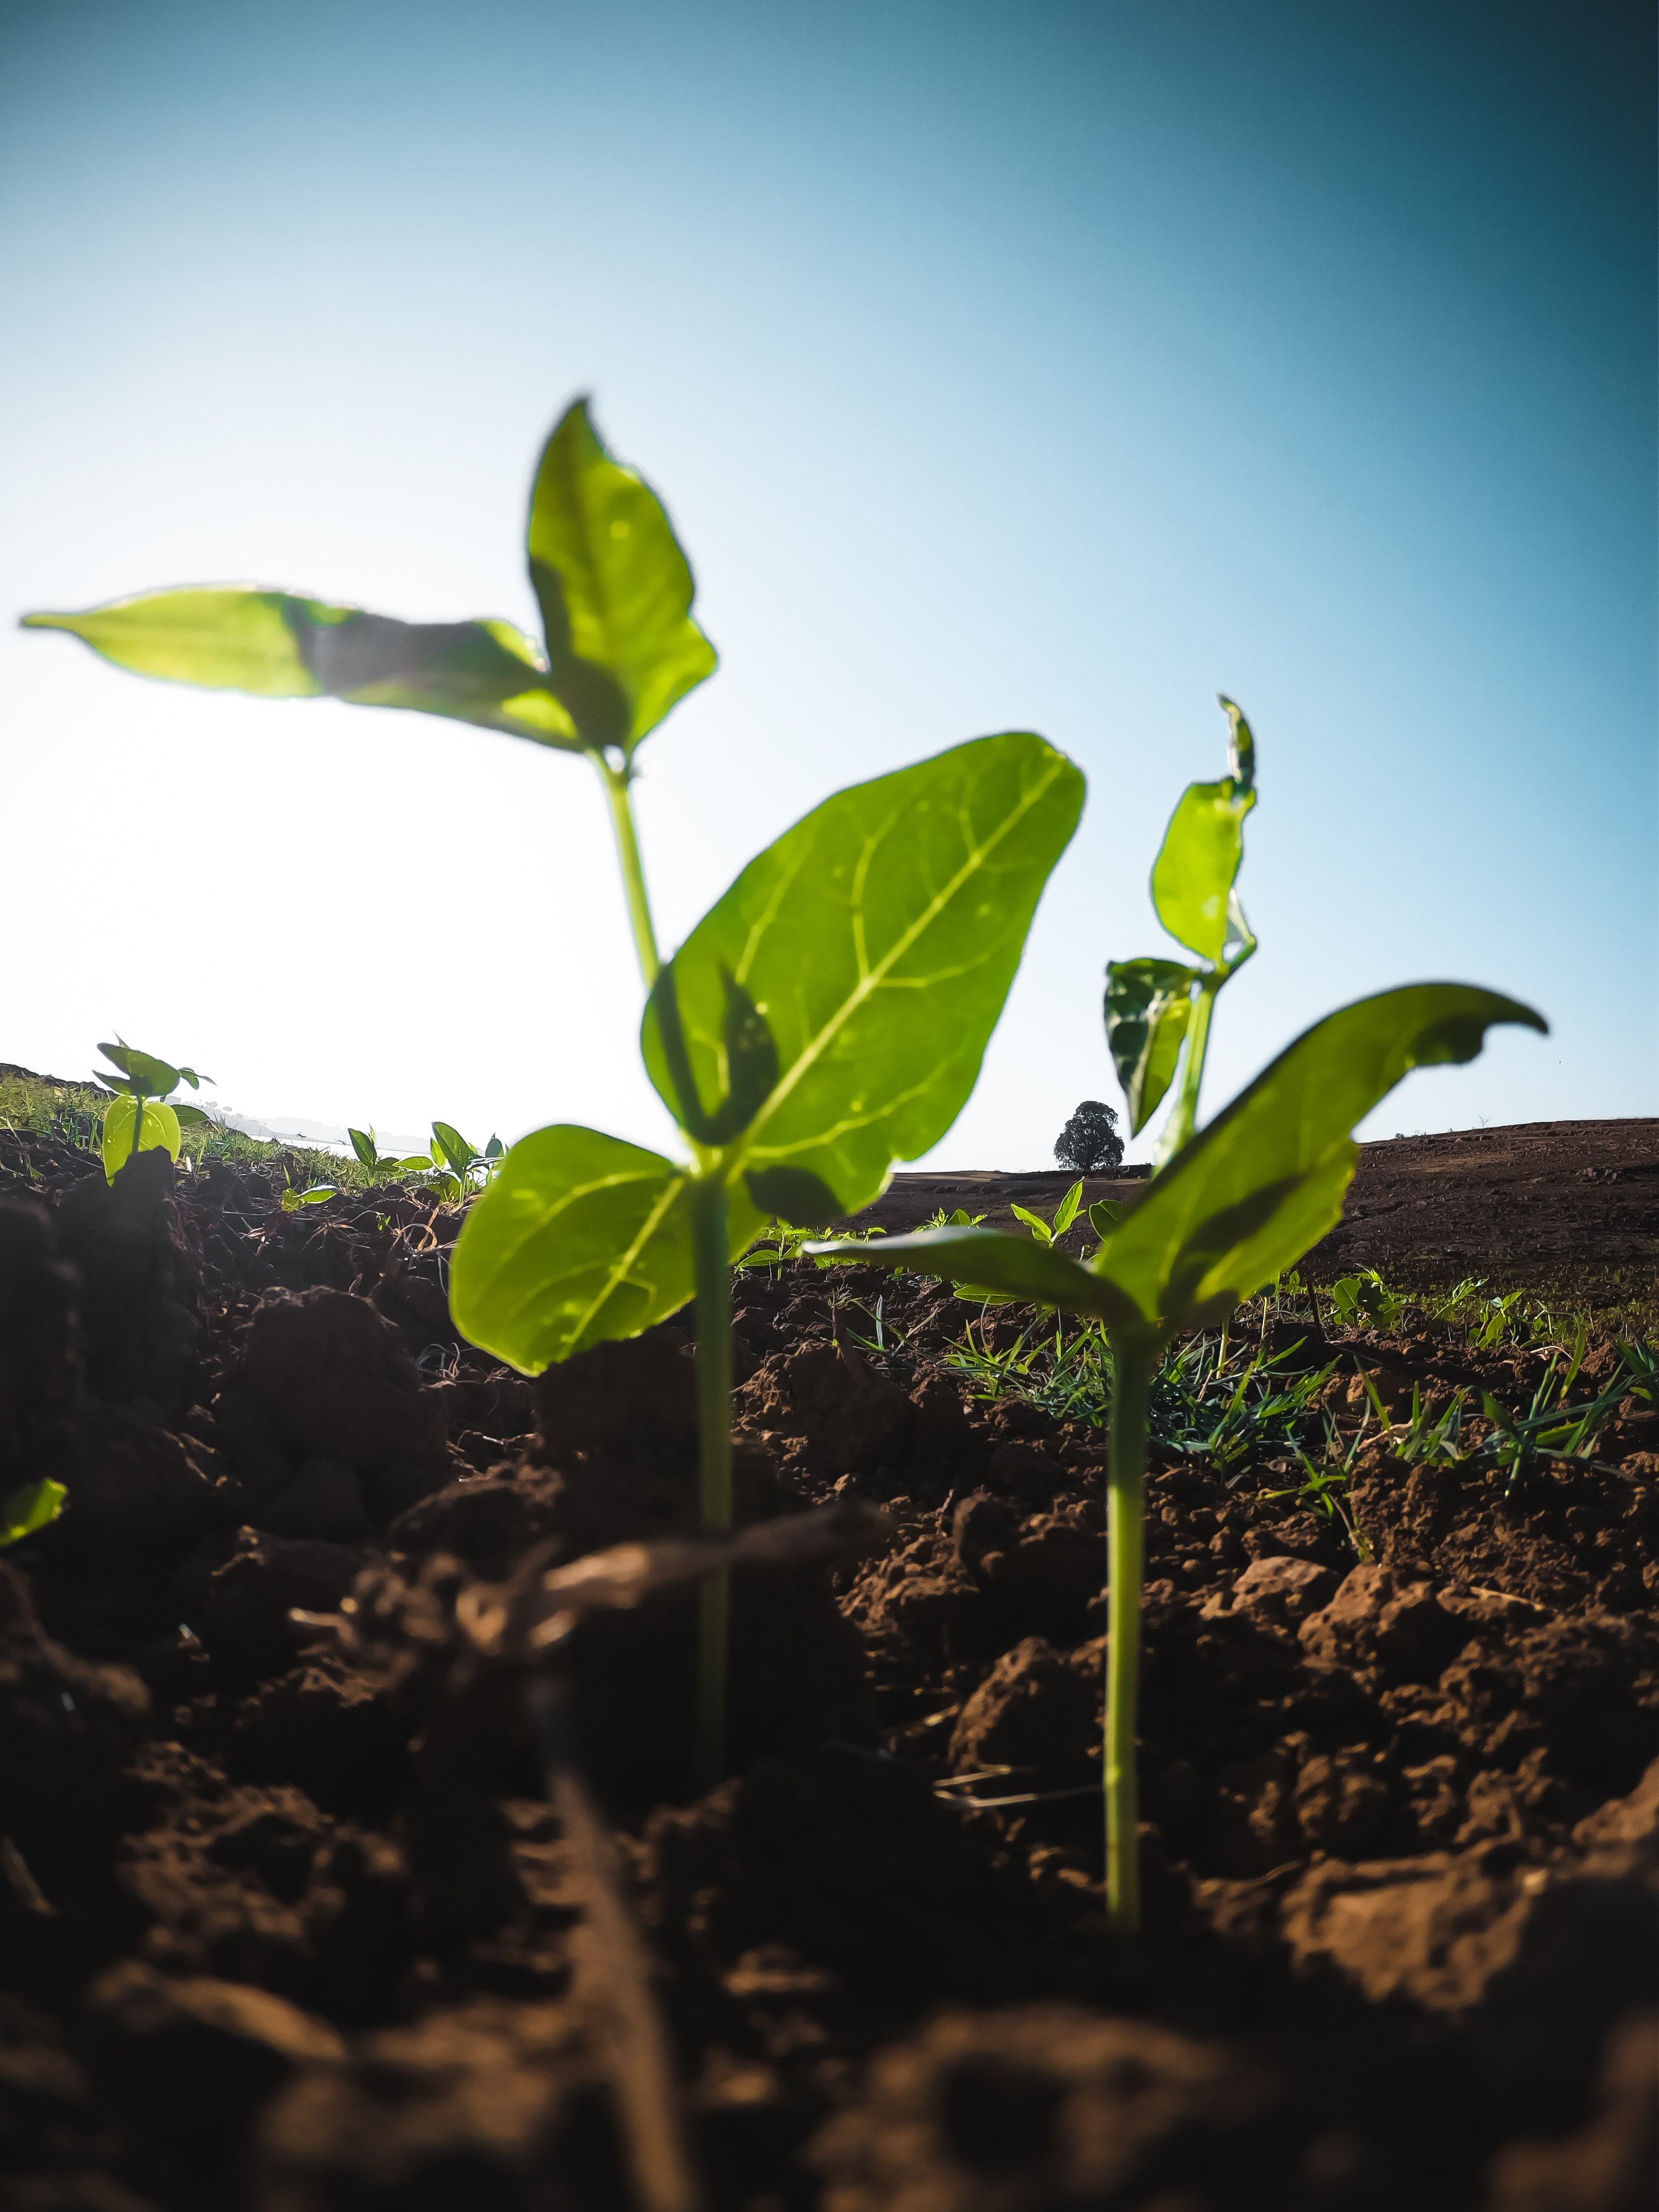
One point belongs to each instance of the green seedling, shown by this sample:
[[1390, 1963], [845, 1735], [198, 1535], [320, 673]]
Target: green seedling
[[1050, 1232], [314, 1194], [386, 1163], [1158, 1010], [34, 1505], [826, 1017], [959, 1218], [1232, 1207], [467, 1167], [140, 1118]]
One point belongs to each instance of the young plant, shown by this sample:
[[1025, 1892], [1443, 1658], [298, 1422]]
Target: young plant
[[1158, 1010], [140, 1118], [32, 1505], [467, 1167], [826, 1017], [1050, 1232], [1231, 1208], [386, 1163]]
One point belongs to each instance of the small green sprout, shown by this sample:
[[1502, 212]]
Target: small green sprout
[[1231, 1208], [314, 1194], [140, 1118], [368, 1153], [1050, 1232], [827, 1016]]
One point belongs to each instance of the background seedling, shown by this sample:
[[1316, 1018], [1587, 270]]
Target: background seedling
[[34, 1505], [140, 1118], [1231, 1208], [827, 1016]]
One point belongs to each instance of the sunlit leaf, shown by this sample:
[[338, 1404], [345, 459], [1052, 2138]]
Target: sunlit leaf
[[1034, 1221], [1148, 1003], [1066, 1212], [578, 1238], [34, 1505], [154, 1077], [1193, 874], [1250, 1193], [614, 589], [159, 1131], [193, 1117], [453, 1146], [278, 645], [363, 1142], [878, 939]]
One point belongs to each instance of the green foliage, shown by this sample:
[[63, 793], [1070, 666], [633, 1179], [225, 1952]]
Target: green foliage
[[137, 1119], [1156, 1008], [1050, 1232], [34, 1505], [828, 1014], [615, 591], [1246, 1197], [877, 939], [279, 645], [314, 1194]]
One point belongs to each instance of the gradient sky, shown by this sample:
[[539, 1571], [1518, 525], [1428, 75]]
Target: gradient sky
[[1002, 365]]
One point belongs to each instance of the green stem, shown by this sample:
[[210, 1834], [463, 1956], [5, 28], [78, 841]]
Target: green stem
[[712, 1278], [137, 1128], [1183, 1118], [616, 782], [1134, 1358]]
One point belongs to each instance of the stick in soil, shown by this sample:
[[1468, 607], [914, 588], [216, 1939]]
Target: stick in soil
[[643, 2074]]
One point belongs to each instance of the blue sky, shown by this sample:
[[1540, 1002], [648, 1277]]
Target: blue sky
[[1003, 366]]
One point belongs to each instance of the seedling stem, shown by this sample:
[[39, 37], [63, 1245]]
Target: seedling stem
[[712, 1275], [1134, 1358], [617, 783]]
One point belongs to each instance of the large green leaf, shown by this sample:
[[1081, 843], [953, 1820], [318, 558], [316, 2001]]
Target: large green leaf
[[1193, 874], [1148, 1006], [280, 646], [987, 1259], [615, 588], [159, 1131], [877, 939], [579, 1238], [1245, 1197]]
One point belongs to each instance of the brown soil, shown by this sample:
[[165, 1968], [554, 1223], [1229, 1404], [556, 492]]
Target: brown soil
[[287, 1928]]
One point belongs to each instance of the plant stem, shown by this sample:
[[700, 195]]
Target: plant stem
[[137, 1128], [711, 1278], [1179, 1126], [617, 781], [1134, 1357]]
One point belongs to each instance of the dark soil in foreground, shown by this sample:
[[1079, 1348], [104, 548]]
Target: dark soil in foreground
[[292, 1930]]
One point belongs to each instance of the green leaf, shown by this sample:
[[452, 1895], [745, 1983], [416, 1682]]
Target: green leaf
[[1066, 1212], [579, 1238], [147, 1076], [1193, 874], [877, 939], [749, 1067], [1034, 1221], [278, 645], [193, 1117], [986, 1261], [614, 589], [35, 1505], [1104, 1215], [1148, 1006], [1246, 1197], [453, 1146], [363, 1142], [1241, 745], [793, 1194], [159, 1131]]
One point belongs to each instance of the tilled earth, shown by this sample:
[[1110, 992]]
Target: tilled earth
[[287, 1924]]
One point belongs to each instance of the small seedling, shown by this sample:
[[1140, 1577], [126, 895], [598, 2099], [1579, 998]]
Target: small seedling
[[314, 1194], [827, 1016], [386, 1163], [1231, 1207], [1050, 1232], [140, 1118]]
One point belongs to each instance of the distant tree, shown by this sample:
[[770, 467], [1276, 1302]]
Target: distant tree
[[1090, 1141]]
